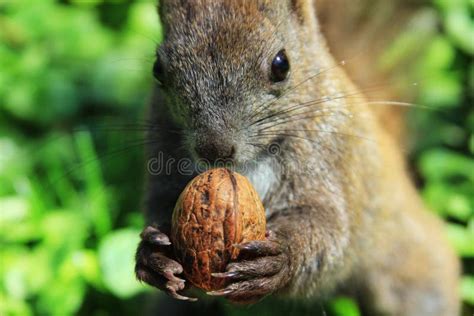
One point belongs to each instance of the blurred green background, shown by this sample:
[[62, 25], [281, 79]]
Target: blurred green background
[[74, 80]]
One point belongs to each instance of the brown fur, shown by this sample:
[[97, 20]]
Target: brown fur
[[347, 217]]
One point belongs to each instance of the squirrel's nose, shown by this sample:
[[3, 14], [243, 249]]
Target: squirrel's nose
[[213, 150]]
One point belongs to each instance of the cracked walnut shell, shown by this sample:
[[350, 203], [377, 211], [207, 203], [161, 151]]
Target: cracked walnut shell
[[217, 209]]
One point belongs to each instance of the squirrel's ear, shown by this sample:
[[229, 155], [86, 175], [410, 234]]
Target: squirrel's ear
[[304, 9]]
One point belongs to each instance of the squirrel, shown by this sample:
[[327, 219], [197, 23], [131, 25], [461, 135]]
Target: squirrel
[[254, 82]]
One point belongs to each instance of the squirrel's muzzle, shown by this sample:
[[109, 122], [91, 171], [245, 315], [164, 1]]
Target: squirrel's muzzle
[[212, 146]]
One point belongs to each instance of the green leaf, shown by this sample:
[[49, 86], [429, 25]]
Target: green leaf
[[64, 229], [460, 27], [24, 272], [89, 3], [471, 144], [439, 55], [98, 206], [144, 21], [66, 292], [454, 200], [116, 256], [87, 264], [462, 239], [13, 209], [441, 89], [441, 164], [460, 207], [344, 306], [18, 215], [467, 289], [13, 307]]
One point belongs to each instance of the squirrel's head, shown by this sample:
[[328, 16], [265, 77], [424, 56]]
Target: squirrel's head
[[224, 65]]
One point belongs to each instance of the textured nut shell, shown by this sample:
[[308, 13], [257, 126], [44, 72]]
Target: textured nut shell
[[216, 210]]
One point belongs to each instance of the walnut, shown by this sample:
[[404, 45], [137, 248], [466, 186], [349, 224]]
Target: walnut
[[216, 210]]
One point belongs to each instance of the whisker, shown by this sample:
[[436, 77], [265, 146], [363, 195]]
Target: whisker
[[297, 137], [148, 59], [296, 107], [128, 129], [259, 146], [155, 41], [336, 96], [264, 106], [112, 129], [101, 157], [403, 104], [330, 98], [324, 131], [138, 126], [314, 115]]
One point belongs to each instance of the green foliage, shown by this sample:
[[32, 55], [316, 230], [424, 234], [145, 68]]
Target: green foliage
[[444, 153], [344, 306], [70, 183], [119, 276], [60, 221], [458, 23]]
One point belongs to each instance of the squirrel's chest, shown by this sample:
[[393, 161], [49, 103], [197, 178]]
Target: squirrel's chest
[[263, 177]]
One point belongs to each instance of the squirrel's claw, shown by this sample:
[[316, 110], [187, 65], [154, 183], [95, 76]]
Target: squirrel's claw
[[259, 248], [155, 268], [261, 268], [249, 291], [154, 236]]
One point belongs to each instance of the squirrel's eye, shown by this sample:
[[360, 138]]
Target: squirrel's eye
[[280, 67], [158, 71]]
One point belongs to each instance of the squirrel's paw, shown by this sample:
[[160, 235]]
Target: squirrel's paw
[[261, 268], [154, 267]]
